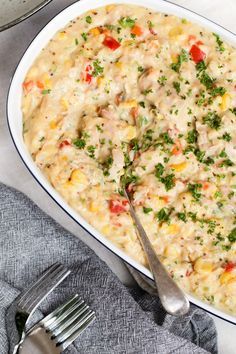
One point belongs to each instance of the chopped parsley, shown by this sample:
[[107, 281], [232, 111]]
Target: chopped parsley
[[192, 136], [227, 163], [91, 151], [84, 36], [226, 137], [218, 91], [176, 86], [97, 68], [163, 214], [127, 22], [219, 42], [142, 104], [140, 69], [206, 80], [193, 188], [79, 143], [232, 236], [162, 80], [88, 19], [146, 92], [166, 138], [106, 165], [147, 210], [233, 110], [201, 66], [45, 92], [168, 181], [183, 57], [76, 41], [126, 179], [99, 128], [213, 120], [182, 216], [159, 170], [142, 120]]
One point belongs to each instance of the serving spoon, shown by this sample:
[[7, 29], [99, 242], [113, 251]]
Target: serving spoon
[[171, 296]]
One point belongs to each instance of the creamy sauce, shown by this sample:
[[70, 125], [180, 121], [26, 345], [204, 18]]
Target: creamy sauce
[[127, 95]]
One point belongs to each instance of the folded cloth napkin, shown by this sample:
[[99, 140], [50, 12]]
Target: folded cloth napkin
[[128, 320]]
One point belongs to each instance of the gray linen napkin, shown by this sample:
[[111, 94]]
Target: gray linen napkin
[[128, 320]]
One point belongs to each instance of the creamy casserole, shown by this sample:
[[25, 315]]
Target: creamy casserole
[[124, 95]]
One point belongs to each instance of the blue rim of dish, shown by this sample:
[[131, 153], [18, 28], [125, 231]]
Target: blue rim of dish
[[25, 16], [48, 193]]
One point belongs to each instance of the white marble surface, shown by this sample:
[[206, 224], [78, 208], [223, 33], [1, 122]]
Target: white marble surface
[[12, 171]]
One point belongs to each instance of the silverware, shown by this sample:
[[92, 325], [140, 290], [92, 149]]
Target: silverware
[[58, 330], [24, 305], [172, 297]]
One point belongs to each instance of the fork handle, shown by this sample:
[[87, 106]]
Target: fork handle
[[39, 342], [171, 296]]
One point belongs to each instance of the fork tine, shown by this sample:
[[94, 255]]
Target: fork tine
[[62, 324], [47, 285], [59, 320], [69, 334], [39, 285], [43, 276], [51, 317], [47, 289]]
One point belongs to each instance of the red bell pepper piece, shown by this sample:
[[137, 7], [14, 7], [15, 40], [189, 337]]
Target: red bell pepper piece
[[118, 206], [64, 143], [197, 54], [229, 266], [111, 43]]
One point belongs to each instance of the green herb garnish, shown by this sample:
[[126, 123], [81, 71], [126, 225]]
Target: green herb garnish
[[79, 143], [213, 120], [127, 22], [88, 19], [183, 57], [194, 190], [97, 68], [219, 42], [147, 210]]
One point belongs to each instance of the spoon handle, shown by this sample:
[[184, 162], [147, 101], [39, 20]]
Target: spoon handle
[[172, 297]]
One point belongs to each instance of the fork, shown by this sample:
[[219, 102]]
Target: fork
[[59, 329], [24, 305]]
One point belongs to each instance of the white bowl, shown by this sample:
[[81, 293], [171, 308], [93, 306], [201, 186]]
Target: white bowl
[[14, 112]]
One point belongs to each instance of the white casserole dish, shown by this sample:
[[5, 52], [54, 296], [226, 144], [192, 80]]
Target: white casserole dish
[[15, 115]]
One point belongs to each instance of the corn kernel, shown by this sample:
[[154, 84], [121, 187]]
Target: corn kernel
[[227, 278], [119, 65], [64, 103], [128, 42], [109, 8], [78, 177], [131, 132], [202, 266], [172, 251], [225, 102], [173, 229], [68, 63], [175, 32], [100, 80], [129, 104], [179, 166], [106, 230], [94, 31], [62, 35], [93, 207], [53, 124], [174, 58]]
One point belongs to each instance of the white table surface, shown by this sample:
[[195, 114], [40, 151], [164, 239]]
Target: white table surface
[[12, 171]]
